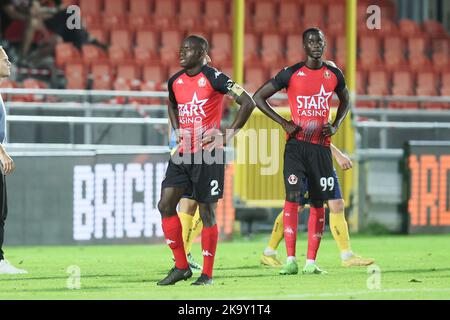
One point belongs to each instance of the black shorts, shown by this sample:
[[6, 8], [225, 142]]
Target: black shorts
[[201, 180], [304, 160]]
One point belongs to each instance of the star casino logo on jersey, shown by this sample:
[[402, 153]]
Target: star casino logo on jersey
[[192, 112], [315, 105]]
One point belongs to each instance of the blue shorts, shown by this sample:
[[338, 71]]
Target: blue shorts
[[336, 195]]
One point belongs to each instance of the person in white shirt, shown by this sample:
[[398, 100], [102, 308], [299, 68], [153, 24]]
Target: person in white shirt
[[7, 166]]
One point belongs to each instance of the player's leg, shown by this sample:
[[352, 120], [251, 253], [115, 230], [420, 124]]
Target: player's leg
[[5, 266], [293, 174], [173, 234], [321, 188], [210, 237], [316, 225], [190, 220], [339, 229]]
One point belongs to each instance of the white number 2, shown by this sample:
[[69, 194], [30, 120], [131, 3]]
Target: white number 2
[[327, 182], [215, 185]]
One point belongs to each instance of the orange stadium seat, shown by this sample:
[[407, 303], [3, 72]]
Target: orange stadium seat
[[409, 28], [289, 16], [254, 78], [313, 15], [377, 83], [251, 49], [164, 15], [434, 28], [402, 85], [336, 18], [102, 77], [65, 52], [139, 14], [394, 55], [190, 12], [264, 16], [272, 49], [114, 13], [369, 54], [426, 84], [31, 83], [222, 48], [215, 16], [75, 76], [91, 12], [146, 46], [100, 34], [294, 49], [170, 46], [92, 54]]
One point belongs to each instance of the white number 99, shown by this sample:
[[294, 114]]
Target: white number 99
[[327, 182]]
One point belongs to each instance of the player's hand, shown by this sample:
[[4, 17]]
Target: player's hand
[[291, 128], [7, 163], [344, 161], [329, 130], [212, 139]]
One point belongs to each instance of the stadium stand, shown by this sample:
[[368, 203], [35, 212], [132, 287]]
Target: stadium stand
[[145, 35]]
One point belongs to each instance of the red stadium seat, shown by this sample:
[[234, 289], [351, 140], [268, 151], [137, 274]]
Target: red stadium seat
[[254, 78], [90, 12], [215, 14], [336, 18], [377, 83], [67, 3], [155, 73], [313, 15], [102, 77], [31, 83], [189, 15], [294, 49], [394, 56], [146, 46], [441, 61], [264, 16], [409, 28], [418, 46], [369, 54], [402, 83], [114, 16], [65, 52], [170, 46], [222, 48], [272, 49], [101, 35], [139, 14], [76, 76], [164, 15], [289, 17], [92, 54], [434, 28], [127, 77], [361, 82], [251, 49], [121, 38], [426, 84]]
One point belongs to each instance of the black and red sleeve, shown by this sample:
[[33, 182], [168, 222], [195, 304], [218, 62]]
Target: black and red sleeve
[[219, 80], [281, 80]]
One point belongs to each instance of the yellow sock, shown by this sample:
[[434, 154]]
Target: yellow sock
[[277, 232], [339, 229], [186, 224], [196, 229]]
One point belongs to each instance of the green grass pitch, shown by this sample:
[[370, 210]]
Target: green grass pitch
[[411, 267]]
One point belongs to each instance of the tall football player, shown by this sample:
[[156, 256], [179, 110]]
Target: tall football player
[[310, 85], [197, 167]]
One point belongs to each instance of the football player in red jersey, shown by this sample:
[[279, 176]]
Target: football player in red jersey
[[310, 85], [197, 167]]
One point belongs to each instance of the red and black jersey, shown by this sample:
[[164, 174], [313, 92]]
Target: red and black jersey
[[199, 99], [310, 93]]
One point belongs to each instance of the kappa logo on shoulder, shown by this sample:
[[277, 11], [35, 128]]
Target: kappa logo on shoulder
[[301, 74], [180, 81]]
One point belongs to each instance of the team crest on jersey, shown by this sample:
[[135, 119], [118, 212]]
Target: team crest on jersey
[[292, 179], [327, 74], [202, 82]]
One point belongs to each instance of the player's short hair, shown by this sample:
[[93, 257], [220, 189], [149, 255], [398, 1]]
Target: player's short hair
[[200, 41], [312, 30]]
